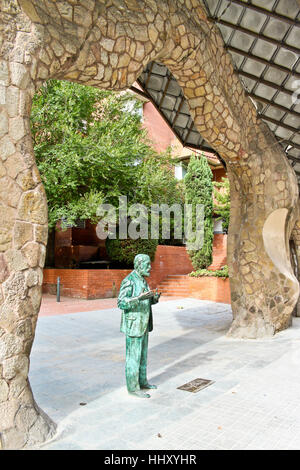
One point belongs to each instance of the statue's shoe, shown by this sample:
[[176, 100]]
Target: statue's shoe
[[149, 386], [140, 394]]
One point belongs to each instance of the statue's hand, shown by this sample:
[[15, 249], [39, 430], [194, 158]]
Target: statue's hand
[[157, 295], [146, 295]]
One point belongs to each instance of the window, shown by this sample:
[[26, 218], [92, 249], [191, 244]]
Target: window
[[180, 171]]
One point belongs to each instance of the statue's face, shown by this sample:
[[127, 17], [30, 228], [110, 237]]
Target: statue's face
[[145, 267]]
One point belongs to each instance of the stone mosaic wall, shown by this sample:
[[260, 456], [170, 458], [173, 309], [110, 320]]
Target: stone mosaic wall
[[107, 43]]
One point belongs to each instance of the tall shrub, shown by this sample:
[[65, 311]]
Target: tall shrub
[[222, 202], [198, 190], [124, 251]]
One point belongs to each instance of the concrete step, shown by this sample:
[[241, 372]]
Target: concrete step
[[181, 294], [174, 289], [173, 286], [167, 285], [167, 289], [178, 283], [175, 294], [176, 276]]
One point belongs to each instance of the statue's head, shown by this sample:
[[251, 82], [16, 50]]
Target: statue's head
[[142, 264]]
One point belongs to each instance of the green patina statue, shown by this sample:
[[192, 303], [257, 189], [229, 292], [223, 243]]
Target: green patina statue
[[136, 300]]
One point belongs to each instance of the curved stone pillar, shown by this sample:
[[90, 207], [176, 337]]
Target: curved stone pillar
[[23, 238], [263, 290], [107, 43], [296, 239]]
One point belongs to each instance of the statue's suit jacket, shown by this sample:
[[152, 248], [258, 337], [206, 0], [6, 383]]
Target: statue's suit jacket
[[136, 315]]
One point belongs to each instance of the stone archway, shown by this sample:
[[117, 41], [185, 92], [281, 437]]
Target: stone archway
[[107, 43]]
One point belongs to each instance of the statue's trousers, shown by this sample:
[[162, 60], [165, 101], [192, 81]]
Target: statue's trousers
[[136, 361]]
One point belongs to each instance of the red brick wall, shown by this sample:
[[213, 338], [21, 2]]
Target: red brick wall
[[219, 251], [158, 131], [209, 288], [85, 283], [74, 282], [104, 283], [100, 283], [169, 260]]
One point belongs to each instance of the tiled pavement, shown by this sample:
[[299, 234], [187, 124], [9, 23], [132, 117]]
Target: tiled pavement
[[51, 307], [254, 402]]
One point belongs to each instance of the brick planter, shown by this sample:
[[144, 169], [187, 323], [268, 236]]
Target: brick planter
[[85, 283], [209, 288], [204, 288], [169, 273]]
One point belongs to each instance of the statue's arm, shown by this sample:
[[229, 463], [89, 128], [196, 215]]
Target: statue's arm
[[126, 301]]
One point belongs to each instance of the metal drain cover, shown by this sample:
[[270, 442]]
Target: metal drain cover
[[195, 385]]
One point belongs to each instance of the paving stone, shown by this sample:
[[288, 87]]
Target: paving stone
[[241, 410]]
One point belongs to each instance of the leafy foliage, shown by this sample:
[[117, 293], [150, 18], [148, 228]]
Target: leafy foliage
[[91, 148], [223, 272], [222, 201], [198, 190], [124, 251], [157, 185], [156, 182]]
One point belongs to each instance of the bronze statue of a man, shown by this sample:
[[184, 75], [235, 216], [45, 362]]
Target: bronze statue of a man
[[136, 300]]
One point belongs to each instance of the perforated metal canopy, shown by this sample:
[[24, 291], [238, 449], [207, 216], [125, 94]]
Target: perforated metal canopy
[[263, 38]]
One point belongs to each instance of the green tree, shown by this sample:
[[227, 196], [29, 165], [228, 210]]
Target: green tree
[[157, 185], [88, 144], [198, 190], [222, 201], [91, 148]]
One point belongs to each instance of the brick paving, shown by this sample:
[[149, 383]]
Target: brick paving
[[253, 403], [50, 306]]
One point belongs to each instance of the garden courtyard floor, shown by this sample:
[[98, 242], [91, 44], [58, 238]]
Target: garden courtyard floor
[[77, 376]]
